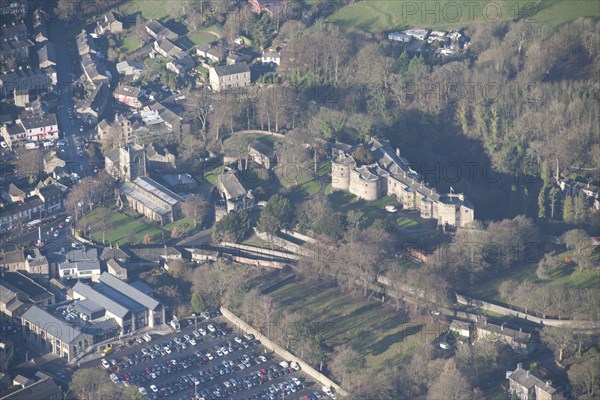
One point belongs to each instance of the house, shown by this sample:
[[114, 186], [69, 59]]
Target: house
[[53, 164], [40, 34], [261, 154], [158, 31], [227, 77], [180, 182], [94, 70], [130, 96], [85, 44], [117, 268], [461, 328], [15, 42], [419, 34], [271, 57], [154, 255], [236, 196], [80, 264], [157, 159], [47, 55], [181, 65], [21, 212], [519, 341], [23, 79], [30, 261], [130, 307], [120, 127], [52, 196], [386, 173], [203, 255], [14, 194], [216, 54], [54, 334], [129, 68], [167, 48], [152, 200], [26, 289], [91, 108], [43, 389], [235, 58], [202, 49], [39, 126], [109, 253], [109, 23], [524, 385], [399, 37]]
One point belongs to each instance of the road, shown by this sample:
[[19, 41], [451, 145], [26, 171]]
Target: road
[[68, 124]]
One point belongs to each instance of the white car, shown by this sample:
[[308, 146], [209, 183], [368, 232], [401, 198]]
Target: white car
[[391, 209], [202, 332], [147, 338], [154, 388], [193, 341], [211, 328], [139, 340], [186, 337], [237, 339], [209, 356], [145, 351], [224, 350], [183, 346], [105, 363], [167, 350], [262, 358], [68, 219], [196, 334], [143, 391]]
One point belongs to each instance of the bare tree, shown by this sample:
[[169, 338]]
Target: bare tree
[[559, 339], [451, 385], [584, 376]]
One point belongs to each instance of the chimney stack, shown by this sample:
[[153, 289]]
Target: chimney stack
[[528, 372], [397, 151], [548, 383], [520, 366]]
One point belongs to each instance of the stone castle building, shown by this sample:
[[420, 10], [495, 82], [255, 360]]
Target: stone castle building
[[386, 173]]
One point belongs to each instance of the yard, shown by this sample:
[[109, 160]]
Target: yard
[[380, 15], [406, 223], [150, 9], [345, 202], [386, 338], [129, 44]]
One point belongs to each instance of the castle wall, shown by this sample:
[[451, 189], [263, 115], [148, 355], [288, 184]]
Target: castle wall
[[340, 176], [367, 190], [447, 214], [467, 216]]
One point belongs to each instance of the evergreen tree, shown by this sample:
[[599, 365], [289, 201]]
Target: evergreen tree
[[580, 209], [553, 198], [545, 173], [542, 202], [198, 303], [568, 211]]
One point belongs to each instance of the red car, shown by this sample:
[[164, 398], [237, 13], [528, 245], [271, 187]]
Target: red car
[[61, 225]]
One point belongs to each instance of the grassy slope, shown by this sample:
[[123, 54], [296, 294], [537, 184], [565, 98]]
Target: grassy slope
[[385, 337], [378, 15]]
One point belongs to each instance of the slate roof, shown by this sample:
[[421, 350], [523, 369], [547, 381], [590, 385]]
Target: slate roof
[[129, 291], [51, 324], [234, 69], [30, 120], [231, 185], [38, 390], [101, 299], [110, 253], [528, 380]]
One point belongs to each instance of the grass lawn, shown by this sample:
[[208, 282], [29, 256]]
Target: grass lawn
[[345, 202], [386, 338], [407, 223], [120, 226], [379, 15], [211, 176], [155, 64], [186, 224], [129, 44], [202, 37], [150, 9]]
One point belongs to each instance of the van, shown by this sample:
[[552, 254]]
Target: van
[[175, 325], [31, 146]]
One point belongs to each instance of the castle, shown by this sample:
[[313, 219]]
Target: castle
[[383, 172]]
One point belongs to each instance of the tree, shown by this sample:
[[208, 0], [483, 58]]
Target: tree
[[363, 155], [275, 215], [568, 210], [584, 376], [233, 227], [559, 339], [176, 232], [451, 385], [580, 209], [195, 207], [198, 303], [347, 363], [579, 241], [66, 9], [92, 384], [147, 239], [542, 198]]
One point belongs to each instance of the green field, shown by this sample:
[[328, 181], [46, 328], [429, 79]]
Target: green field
[[150, 9], [385, 337], [380, 15], [202, 37]]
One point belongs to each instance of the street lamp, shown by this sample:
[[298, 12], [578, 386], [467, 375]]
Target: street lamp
[[195, 326], [196, 390]]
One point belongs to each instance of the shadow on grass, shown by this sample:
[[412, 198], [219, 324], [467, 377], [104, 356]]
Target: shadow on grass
[[384, 344]]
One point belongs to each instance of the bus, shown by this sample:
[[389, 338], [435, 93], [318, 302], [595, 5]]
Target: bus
[[33, 223]]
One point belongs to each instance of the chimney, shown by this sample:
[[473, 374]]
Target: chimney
[[520, 366], [548, 383], [502, 327], [528, 372], [397, 151]]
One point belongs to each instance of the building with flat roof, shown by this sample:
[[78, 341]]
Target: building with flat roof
[[54, 334]]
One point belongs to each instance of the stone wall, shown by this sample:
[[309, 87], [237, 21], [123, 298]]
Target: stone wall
[[241, 326]]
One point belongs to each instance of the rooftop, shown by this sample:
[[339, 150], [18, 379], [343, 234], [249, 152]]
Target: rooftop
[[38, 390], [51, 324], [25, 284], [131, 291], [234, 69]]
